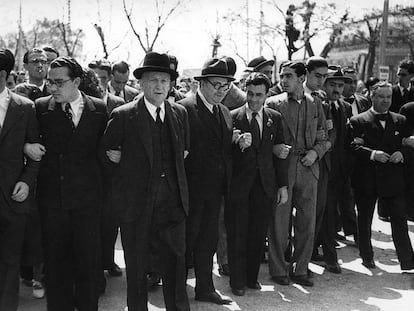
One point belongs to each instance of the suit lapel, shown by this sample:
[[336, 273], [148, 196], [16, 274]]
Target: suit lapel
[[143, 127], [204, 115], [13, 114], [172, 121], [243, 123], [283, 109], [265, 131], [228, 122]]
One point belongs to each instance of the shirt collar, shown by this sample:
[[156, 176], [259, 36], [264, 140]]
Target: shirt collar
[[3, 95], [402, 88], [306, 89], [74, 105], [205, 102], [152, 109], [250, 112]]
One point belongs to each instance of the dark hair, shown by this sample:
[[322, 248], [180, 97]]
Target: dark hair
[[51, 50], [173, 61], [121, 67], [90, 84], [371, 81], [380, 84], [31, 51], [75, 70], [102, 64], [297, 66], [6, 61], [257, 78], [407, 64], [315, 62]]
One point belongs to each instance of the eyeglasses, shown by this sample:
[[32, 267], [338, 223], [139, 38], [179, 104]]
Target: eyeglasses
[[218, 86], [58, 83], [38, 61]]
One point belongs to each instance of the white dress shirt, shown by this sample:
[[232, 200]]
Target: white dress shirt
[[4, 104], [152, 109]]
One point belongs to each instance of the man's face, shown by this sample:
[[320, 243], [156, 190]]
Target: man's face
[[155, 86], [214, 89], [381, 99], [10, 82], [350, 85], [267, 70], [289, 80], [334, 89], [404, 77], [36, 66], [62, 87], [119, 80], [256, 96], [103, 77], [316, 78]]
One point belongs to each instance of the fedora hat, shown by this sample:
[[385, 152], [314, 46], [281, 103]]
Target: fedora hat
[[156, 62], [215, 67], [259, 62], [336, 73]]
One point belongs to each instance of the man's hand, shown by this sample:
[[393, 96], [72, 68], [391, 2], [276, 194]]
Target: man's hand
[[309, 158], [281, 150], [328, 145], [408, 141], [282, 195], [20, 191], [245, 141], [396, 157], [186, 153], [358, 141], [236, 136], [381, 156], [34, 151], [114, 155]]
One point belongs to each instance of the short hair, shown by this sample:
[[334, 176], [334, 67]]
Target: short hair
[[32, 51], [6, 61], [407, 64], [371, 81], [51, 50], [379, 85], [75, 70], [258, 78], [121, 67], [297, 66], [315, 62]]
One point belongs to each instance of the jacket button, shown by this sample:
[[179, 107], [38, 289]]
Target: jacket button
[[62, 177]]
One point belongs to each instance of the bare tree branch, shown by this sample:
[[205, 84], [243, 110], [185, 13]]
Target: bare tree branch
[[128, 15]]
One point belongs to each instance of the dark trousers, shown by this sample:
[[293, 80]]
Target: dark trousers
[[247, 218], [109, 235], [202, 237], [366, 205], [72, 258], [321, 198], [165, 238], [346, 205], [11, 241]]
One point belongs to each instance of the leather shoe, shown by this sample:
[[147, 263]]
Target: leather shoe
[[153, 280], [255, 285], [370, 264], [334, 268], [238, 292], [115, 270], [212, 297], [302, 280], [224, 270], [281, 280]]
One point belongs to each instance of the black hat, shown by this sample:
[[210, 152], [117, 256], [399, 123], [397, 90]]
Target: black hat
[[215, 67], [336, 73], [156, 62], [259, 62]]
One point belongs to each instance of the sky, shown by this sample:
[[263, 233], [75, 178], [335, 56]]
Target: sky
[[187, 35]]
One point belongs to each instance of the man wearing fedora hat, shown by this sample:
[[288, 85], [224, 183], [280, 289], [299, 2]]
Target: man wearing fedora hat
[[150, 184], [208, 168]]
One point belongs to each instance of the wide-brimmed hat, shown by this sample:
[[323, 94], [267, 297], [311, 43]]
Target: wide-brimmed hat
[[259, 62], [215, 67], [156, 62], [335, 73]]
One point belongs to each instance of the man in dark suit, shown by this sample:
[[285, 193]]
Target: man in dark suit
[[358, 102], [69, 188], [149, 184], [259, 180], [402, 92], [118, 83], [377, 136], [208, 169], [17, 126]]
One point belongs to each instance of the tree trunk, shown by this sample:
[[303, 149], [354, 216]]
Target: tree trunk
[[371, 57]]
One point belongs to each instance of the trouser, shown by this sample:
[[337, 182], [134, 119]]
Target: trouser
[[222, 241]]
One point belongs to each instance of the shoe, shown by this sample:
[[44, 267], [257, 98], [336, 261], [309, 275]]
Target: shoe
[[255, 285], [384, 218], [224, 270], [309, 273], [212, 297], [281, 280], [153, 280], [38, 290], [238, 292], [115, 270], [302, 280], [370, 264], [333, 268]]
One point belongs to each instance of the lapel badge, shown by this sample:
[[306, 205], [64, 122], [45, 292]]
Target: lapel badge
[[396, 133], [269, 122]]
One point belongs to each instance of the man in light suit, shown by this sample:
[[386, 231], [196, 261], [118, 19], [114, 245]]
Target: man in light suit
[[17, 126], [150, 185], [119, 79], [304, 129]]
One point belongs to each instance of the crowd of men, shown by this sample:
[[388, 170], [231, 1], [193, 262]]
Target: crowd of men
[[245, 166]]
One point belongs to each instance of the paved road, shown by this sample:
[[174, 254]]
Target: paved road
[[357, 288]]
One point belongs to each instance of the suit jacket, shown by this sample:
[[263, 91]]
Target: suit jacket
[[273, 171], [70, 176], [195, 163], [372, 177], [407, 110], [112, 102], [19, 127], [315, 135], [129, 128], [398, 100], [363, 103]]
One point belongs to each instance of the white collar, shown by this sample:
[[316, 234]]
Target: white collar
[[204, 100], [250, 112], [152, 109]]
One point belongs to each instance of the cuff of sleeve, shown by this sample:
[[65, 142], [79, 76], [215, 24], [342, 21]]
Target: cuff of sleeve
[[372, 155]]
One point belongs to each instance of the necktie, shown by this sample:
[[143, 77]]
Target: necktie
[[404, 92], [69, 115], [158, 117], [255, 131], [216, 113]]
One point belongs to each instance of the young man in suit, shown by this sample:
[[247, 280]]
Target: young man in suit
[[208, 169], [69, 188], [259, 181], [118, 83], [304, 129], [402, 92], [358, 102], [376, 140], [146, 141], [17, 126]]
